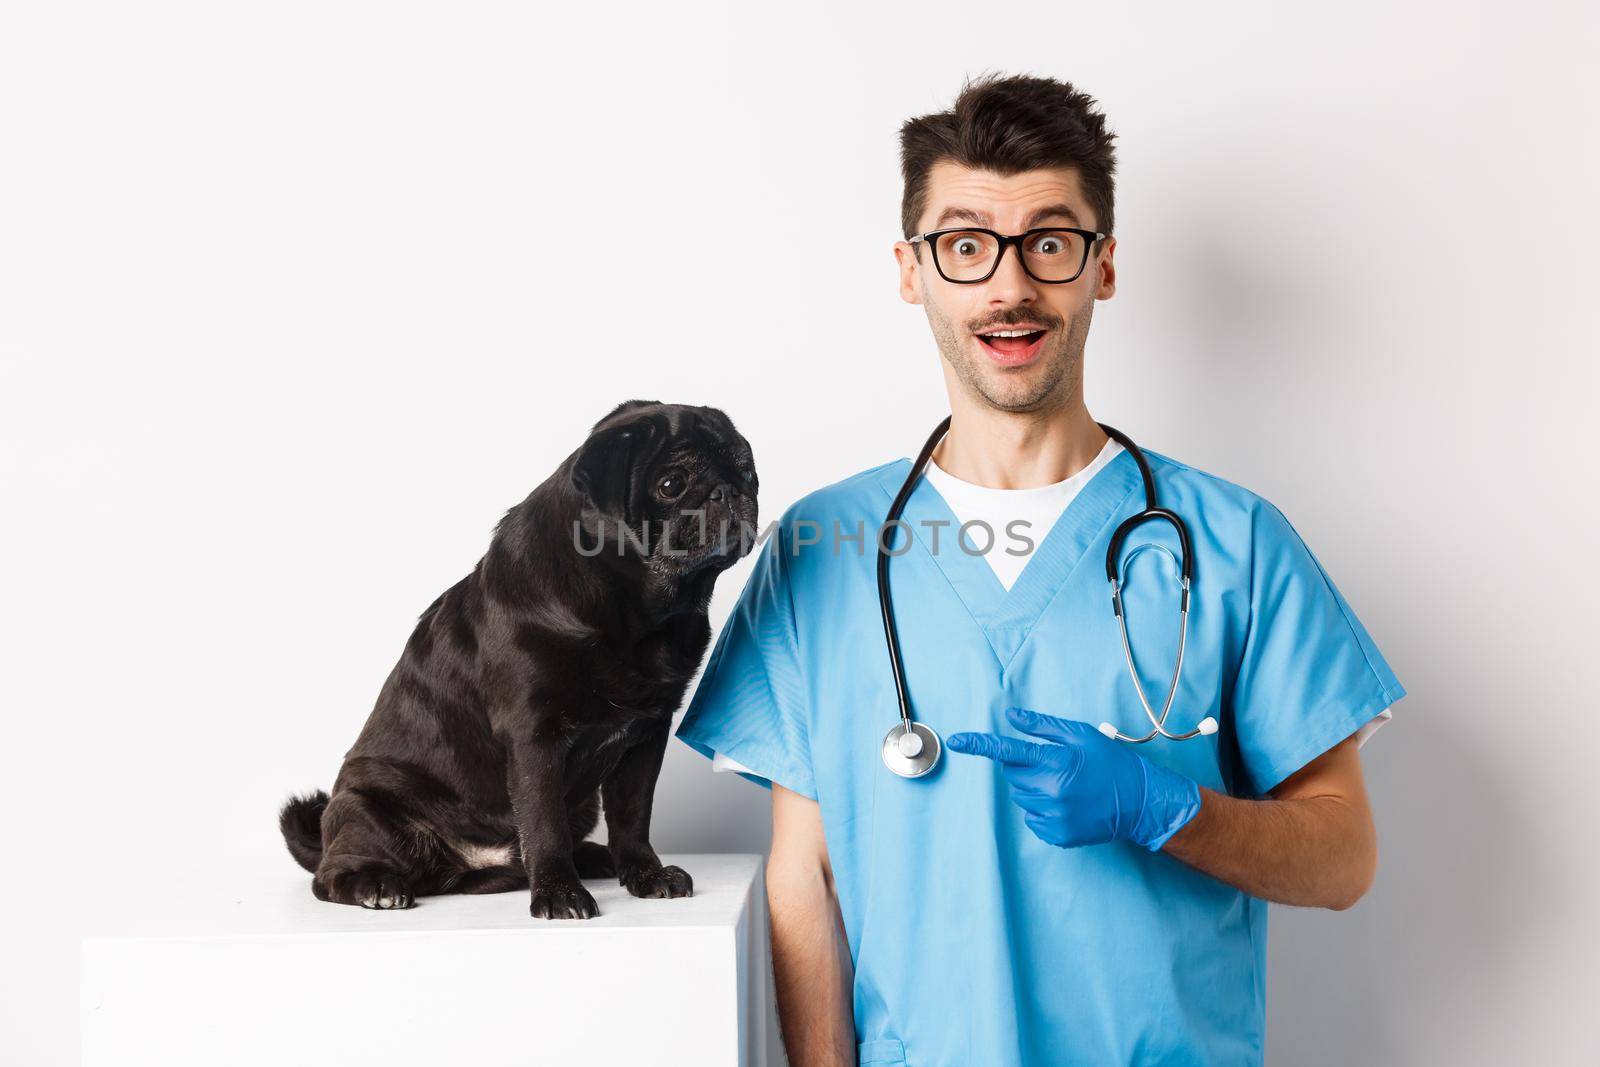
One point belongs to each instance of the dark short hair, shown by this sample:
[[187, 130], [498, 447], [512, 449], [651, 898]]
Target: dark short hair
[[1011, 124]]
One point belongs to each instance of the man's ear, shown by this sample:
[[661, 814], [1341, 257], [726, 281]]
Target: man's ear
[[610, 462]]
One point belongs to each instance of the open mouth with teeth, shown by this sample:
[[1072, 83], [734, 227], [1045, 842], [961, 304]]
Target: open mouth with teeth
[[1011, 347]]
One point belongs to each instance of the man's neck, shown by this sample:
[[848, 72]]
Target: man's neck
[[1010, 450]]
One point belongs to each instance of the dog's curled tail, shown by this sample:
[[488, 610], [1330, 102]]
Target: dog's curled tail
[[301, 822]]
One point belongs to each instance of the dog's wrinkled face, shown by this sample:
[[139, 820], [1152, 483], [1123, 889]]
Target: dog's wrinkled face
[[668, 488]]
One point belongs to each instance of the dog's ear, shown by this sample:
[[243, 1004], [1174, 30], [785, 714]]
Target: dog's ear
[[610, 463], [626, 405]]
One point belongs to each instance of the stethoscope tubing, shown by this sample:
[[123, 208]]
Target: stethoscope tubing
[[1157, 723], [885, 602], [919, 758]]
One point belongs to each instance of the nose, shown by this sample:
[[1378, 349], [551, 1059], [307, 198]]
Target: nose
[[722, 493], [1010, 283]]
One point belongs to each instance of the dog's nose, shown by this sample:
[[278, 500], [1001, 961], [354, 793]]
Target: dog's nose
[[723, 492]]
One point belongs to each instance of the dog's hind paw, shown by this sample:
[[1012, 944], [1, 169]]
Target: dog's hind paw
[[668, 881], [389, 891], [380, 890]]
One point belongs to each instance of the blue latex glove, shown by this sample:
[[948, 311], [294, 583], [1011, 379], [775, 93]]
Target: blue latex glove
[[1085, 789]]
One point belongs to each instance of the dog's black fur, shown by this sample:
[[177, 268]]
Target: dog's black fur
[[544, 683]]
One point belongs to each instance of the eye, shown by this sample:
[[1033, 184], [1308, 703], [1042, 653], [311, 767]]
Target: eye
[[965, 245], [749, 477], [671, 485]]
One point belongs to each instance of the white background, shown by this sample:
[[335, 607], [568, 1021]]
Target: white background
[[297, 299]]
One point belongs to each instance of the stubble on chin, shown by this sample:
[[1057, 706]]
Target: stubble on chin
[[1046, 383]]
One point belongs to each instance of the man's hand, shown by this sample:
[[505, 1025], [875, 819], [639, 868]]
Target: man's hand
[[1312, 843], [1085, 789]]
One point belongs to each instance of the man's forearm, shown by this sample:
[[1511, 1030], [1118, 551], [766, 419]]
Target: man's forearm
[[811, 968], [1312, 851]]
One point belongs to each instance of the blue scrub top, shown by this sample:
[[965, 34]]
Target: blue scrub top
[[973, 941]]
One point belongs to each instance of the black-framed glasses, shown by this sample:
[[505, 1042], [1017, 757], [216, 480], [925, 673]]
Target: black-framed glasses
[[967, 255]]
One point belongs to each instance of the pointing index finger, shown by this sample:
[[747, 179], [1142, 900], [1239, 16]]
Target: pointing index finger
[[996, 747]]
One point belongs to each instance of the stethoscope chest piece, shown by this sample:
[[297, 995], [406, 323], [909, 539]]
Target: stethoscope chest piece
[[910, 750]]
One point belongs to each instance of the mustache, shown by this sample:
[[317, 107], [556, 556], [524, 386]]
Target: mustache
[[1049, 322]]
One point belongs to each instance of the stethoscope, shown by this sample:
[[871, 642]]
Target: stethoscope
[[911, 749]]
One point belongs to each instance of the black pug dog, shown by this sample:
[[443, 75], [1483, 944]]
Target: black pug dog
[[543, 684]]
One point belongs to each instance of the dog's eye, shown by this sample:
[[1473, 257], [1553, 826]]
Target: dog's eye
[[671, 486], [749, 477]]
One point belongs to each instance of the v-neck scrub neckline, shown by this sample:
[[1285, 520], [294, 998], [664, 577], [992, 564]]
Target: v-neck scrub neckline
[[1007, 616], [1036, 508]]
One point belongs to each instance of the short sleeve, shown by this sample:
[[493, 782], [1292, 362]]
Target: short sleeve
[[720, 762], [751, 705], [1309, 674]]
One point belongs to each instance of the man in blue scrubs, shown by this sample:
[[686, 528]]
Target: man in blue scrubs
[[1046, 895]]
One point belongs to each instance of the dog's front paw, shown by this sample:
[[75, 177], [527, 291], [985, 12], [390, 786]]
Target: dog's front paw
[[669, 881], [562, 899]]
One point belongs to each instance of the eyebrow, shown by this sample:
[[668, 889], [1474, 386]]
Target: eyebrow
[[983, 218]]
